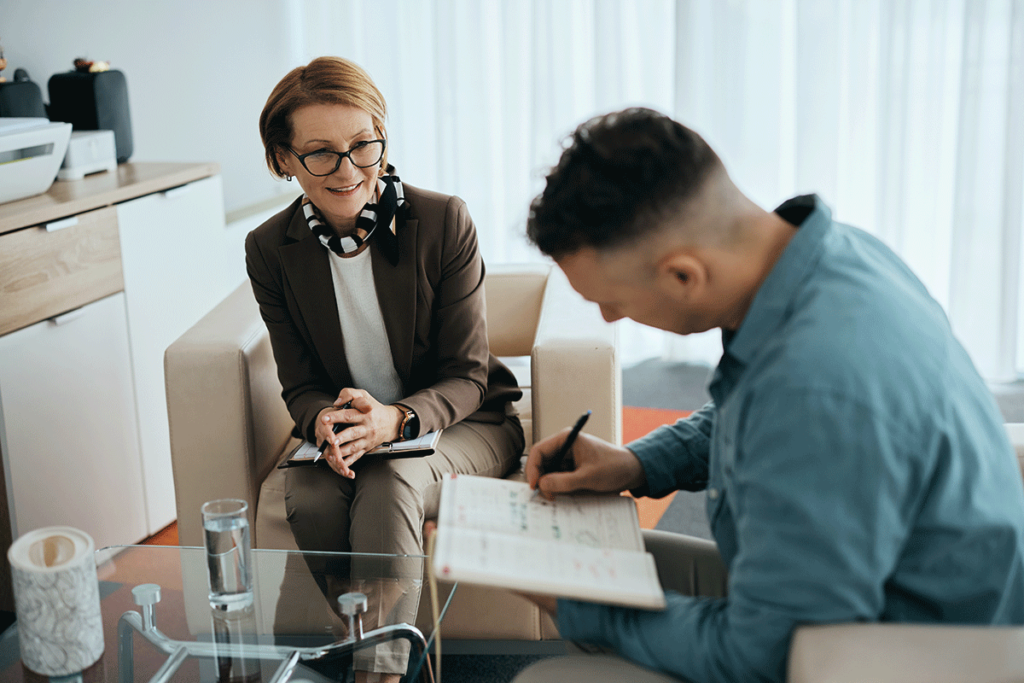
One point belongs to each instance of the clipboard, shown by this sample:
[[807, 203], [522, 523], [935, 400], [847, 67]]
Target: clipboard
[[304, 455]]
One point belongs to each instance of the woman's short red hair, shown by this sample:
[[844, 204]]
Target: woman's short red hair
[[325, 80]]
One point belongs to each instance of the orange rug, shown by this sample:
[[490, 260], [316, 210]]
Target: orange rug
[[637, 422]]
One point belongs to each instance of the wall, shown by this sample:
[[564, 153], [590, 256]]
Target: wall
[[198, 73]]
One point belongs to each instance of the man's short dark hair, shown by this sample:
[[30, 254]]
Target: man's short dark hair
[[620, 174]]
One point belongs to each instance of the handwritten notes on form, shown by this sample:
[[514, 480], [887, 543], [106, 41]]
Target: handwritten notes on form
[[588, 547]]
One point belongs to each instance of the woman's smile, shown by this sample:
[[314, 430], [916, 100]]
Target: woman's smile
[[345, 191]]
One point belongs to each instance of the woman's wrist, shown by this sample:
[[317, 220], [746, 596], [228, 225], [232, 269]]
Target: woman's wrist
[[399, 415]]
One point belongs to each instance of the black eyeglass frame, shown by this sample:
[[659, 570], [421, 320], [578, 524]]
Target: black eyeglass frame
[[341, 156]]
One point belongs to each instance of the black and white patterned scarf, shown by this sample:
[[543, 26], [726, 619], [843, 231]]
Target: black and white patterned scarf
[[391, 203]]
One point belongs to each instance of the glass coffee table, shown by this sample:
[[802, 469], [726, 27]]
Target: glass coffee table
[[158, 623]]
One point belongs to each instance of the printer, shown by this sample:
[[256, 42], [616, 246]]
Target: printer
[[31, 153]]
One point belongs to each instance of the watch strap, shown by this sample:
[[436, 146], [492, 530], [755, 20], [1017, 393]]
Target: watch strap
[[407, 430]]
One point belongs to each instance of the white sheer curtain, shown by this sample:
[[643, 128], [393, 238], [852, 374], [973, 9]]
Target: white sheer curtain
[[906, 116]]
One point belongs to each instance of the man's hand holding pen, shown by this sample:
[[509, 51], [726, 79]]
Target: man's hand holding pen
[[593, 465], [572, 461], [365, 424]]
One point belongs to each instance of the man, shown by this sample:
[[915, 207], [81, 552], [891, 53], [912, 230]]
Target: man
[[855, 464]]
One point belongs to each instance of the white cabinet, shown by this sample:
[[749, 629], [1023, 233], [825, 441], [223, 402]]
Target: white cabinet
[[69, 441], [178, 260], [97, 277]]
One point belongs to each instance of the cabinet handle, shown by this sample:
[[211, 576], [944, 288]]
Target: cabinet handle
[[68, 317], [177, 191], [60, 225]]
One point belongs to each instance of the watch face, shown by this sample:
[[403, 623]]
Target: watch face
[[409, 428]]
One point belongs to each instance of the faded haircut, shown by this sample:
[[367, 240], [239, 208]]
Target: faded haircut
[[619, 176]]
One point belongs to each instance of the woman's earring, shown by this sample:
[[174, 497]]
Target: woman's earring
[[287, 177]]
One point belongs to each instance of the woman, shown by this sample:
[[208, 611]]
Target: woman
[[372, 291]]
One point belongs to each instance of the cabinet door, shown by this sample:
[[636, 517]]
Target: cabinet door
[[178, 261], [70, 446]]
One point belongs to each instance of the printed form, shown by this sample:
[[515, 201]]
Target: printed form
[[495, 532]]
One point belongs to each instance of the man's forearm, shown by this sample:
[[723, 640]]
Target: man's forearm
[[676, 456]]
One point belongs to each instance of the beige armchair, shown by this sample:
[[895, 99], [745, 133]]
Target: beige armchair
[[229, 427], [910, 653]]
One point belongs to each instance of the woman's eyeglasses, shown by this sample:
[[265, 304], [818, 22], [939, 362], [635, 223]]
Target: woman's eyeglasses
[[325, 162]]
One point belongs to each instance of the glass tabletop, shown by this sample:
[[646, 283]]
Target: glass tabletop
[[295, 609]]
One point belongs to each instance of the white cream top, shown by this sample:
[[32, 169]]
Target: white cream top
[[367, 349]]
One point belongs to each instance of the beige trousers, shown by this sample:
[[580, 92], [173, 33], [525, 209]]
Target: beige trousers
[[687, 565], [382, 511]]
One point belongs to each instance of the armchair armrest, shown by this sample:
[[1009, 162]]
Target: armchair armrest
[[227, 420], [574, 366], [905, 653]]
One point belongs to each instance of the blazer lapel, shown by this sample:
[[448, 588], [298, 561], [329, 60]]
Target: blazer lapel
[[308, 272], [396, 292]]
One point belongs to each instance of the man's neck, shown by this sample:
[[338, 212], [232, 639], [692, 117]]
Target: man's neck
[[767, 236]]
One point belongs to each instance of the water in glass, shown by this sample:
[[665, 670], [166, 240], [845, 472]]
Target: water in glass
[[230, 559]]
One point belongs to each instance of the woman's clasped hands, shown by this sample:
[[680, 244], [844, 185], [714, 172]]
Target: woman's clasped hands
[[367, 423]]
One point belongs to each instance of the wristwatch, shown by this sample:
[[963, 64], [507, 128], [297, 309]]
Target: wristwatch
[[410, 426]]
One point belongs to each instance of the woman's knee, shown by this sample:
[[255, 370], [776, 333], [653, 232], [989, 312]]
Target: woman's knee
[[317, 504], [386, 481]]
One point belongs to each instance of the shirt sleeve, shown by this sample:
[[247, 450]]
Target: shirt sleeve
[[676, 456], [822, 498]]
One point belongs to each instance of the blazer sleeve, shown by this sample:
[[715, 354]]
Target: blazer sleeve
[[458, 329], [306, 386]]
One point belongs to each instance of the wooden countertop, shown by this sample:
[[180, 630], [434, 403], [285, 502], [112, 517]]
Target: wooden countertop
[[70, 197]]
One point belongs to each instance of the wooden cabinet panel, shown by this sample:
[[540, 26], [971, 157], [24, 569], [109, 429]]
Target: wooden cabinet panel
[[44, 273]]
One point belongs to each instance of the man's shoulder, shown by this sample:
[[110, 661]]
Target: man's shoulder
[[862, 325]]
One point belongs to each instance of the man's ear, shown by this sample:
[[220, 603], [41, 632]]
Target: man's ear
[[682, 274]]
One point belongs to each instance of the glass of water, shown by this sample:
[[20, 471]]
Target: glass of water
[[228, 553]]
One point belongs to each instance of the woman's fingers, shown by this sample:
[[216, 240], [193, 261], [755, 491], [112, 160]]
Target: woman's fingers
[[367, 424], [349, 394], [336, 459], [352, 406], [364, 404], [351, 459], [351, 438], [341, 459]]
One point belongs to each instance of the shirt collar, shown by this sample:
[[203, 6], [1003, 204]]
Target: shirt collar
[[776, 293]]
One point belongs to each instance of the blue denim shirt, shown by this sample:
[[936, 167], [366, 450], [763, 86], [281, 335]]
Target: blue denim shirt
[[856, 469]]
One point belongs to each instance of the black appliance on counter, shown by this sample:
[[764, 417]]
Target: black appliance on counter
[[94, 101], [21, 97]]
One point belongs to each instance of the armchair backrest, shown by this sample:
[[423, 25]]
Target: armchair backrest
[[514, 297]]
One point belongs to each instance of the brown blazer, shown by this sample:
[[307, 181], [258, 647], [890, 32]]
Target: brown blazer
[[432, 303]]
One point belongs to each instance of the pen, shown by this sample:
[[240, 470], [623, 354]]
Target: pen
[[558, 462], [338, 426]]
